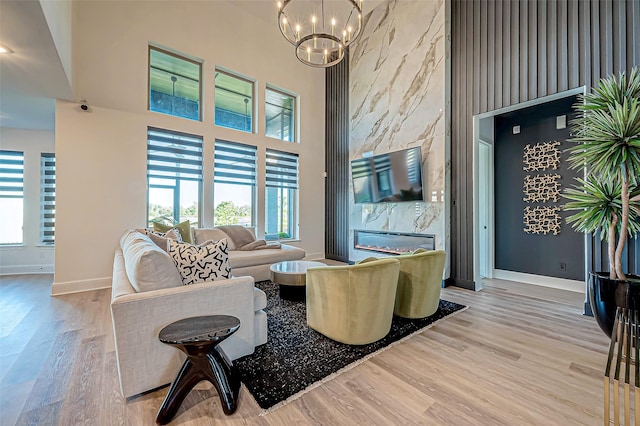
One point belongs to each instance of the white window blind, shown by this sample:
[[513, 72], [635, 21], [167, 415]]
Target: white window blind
[[234, 163], [11, 174], [173, 155], [11, 196], [282, 169], [47, 198]]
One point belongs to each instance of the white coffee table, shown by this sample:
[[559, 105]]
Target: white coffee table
[[291, 276]]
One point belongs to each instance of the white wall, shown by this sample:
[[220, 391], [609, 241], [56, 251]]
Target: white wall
[[31, 256], [101, 154]]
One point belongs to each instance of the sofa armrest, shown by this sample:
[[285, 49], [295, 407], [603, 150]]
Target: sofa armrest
[[143, 362]]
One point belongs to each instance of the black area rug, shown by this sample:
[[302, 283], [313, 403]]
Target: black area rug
[[295, 356]]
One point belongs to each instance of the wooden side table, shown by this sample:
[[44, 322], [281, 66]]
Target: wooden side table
[[198, 338]]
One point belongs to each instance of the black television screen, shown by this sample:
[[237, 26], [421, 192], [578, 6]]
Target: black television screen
[[388, 178]]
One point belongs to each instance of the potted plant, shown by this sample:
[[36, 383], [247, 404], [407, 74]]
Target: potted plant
[[607, 201]]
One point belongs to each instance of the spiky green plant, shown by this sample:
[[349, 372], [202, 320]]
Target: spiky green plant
[[607, 134]]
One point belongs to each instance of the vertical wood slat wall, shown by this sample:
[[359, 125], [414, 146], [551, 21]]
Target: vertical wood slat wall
[[337, 161], [524, 50]]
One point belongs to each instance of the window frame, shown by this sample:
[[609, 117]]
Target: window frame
[[176, 187], [293, 188], [294, 131], [45, 184], [183, 57], [253, 109], [254, 186]]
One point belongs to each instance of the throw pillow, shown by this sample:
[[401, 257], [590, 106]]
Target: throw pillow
[[147, 266], [183, 227], [199, 264], [160, 238], [215, 234]]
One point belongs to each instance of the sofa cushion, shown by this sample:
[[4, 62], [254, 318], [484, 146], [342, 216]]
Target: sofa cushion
[[214, 234], [183, 227], [198, 264], [160, 238], [242, 259], [148, 267], [238, 234]]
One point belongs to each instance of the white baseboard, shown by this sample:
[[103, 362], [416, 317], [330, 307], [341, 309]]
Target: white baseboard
[[552, 282], [79, 286], [26, 269]]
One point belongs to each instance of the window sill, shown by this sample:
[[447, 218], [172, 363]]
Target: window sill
[[50, 246], [7, 247]]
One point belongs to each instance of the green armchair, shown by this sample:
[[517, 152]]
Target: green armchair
[[419, 283], [353, 304]]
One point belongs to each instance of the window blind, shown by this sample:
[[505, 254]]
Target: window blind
[[47, 198], [173, 155], [11, 174], [282, 169], [234, 163]]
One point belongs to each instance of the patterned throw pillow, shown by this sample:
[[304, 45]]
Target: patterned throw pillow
[[199, 264]]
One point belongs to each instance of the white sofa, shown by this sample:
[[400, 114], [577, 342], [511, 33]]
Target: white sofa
[[144, 363], [255, 263]]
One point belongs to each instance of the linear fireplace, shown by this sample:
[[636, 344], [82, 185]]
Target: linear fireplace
[[390, 242]]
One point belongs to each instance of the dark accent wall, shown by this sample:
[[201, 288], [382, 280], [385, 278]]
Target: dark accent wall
[[507, 52], [516, 250], [336, 244]]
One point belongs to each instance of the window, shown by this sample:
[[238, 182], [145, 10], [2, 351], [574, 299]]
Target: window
[[281, 195], [234, 183], [174, 84], [234, 102], [47, 198], [11, 196], [280, 115], [174, 176]]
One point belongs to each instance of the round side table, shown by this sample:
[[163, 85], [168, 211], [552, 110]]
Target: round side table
[[198, 338], [291, 277]]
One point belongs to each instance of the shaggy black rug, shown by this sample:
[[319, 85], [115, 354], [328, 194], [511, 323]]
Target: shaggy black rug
[[296, 356]]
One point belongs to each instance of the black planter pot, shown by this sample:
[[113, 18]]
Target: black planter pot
[[606, 294]]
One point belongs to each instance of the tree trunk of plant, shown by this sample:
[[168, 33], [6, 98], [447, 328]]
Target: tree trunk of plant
[[611, 246], [624, 226]]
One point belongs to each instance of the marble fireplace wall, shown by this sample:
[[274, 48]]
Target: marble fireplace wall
[[397, 101]]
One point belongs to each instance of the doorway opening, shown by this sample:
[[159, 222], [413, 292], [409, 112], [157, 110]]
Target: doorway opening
[[506, 246]]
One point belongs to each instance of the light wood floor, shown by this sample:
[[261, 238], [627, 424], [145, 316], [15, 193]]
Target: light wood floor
[[517, 356]]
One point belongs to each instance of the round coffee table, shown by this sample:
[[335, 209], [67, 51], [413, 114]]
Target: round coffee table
[[198, 338], [291, 276]]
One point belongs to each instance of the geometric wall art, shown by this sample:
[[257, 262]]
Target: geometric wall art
[[541, 188], [541, 156], [542, 220]]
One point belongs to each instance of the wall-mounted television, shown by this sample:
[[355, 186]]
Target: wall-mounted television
[[388, 178]]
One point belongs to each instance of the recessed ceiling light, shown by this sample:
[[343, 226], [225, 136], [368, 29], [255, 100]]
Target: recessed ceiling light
[[5, 49]]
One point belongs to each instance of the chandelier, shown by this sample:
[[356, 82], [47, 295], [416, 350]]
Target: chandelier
[[320, 30]]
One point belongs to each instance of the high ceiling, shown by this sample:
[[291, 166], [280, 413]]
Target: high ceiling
[[31, 77]]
